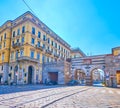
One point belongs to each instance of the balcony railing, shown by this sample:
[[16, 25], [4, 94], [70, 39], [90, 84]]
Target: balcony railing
[[27, 59], [17, 45], [56, 55], [48, 51], [39, 47]]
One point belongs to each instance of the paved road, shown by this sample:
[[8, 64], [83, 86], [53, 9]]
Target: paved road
[[59, 97]]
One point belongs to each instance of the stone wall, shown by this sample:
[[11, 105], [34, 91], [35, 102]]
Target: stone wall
[[63, 69]]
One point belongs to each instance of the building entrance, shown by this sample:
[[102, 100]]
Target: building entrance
[[79, 76], [97, 77], [30, 74], [53, 77]]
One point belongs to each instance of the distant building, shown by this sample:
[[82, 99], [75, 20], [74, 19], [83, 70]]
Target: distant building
[[77, 52]]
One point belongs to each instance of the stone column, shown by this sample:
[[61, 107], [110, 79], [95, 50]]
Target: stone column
[[34, 76]]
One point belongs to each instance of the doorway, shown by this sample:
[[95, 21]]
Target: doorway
[[30, 74], [53, 77]]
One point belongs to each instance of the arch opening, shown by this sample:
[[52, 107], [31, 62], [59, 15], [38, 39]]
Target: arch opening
[[30, 74], [98, 77], [79, 75]]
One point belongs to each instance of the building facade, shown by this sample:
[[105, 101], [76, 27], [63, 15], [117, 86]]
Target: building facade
[[26, 45]]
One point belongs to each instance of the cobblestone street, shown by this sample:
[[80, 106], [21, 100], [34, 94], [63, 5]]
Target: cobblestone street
[[36, 96]]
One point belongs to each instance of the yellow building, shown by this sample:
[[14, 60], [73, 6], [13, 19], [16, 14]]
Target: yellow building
[[26, 44]]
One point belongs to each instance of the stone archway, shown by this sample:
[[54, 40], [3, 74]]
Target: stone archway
[[30, 74], [79, 75], [97, 77]]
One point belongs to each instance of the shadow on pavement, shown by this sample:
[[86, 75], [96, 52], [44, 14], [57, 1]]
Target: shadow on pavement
[[6, 89]]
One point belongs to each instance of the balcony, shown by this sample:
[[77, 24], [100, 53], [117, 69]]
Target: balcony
[[68, 59], [56, 55], [39, 47], [25, 58], [48, 51], [17, 45]]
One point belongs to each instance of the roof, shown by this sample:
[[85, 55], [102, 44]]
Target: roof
[[30, 13], [78, 50]]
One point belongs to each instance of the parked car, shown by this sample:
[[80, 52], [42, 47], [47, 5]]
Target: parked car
[[51, 83], [73, 82]]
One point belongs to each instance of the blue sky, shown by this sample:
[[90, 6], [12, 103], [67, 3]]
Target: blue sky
[[92, 25]]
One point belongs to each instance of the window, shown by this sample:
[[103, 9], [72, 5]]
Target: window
[[18, 32], [33, 30], [55, 45], [38, 44], [5, 36], [43, 58], [32, 54], [12, 55], [21, 52], [47, 59], [17, 40], [44, 46], [13, 33], [16, 54], [64, 50], [33, 41], [4, 44], [52, 50], [55, 52], [48, 40], [2, 56], [11, 68], [23, 29], [12, 43], [22, 39], [38, 56], [2, 68], [52, 43], [44, 37], [59, 47], [39, 34], [48, 47]]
